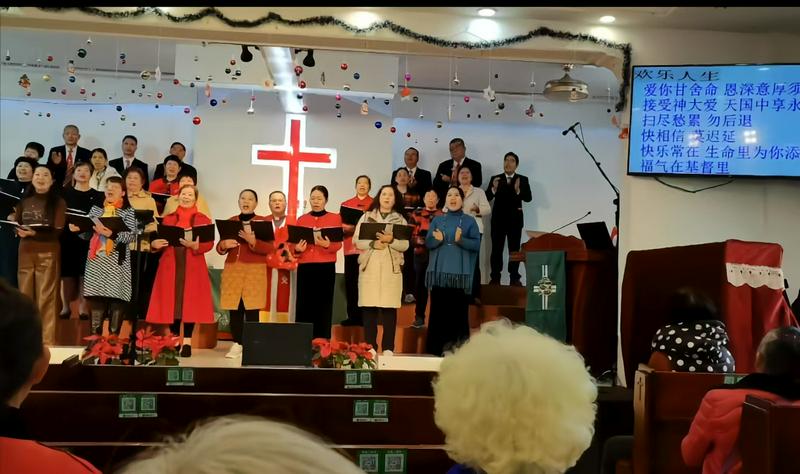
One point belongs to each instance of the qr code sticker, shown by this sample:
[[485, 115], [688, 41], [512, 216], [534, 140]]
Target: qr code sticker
[[362, 409], [128, 404], [148, 404], [380, 409], [368, 462], [350, 378], [395, 463]]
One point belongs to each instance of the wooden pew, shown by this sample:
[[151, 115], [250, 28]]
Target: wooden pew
[[664, 405], [769, 437]]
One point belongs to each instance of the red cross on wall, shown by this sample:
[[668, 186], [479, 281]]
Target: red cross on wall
[[293, 156]]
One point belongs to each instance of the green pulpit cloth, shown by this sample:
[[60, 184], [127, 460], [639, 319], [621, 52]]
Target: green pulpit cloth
[[220, 315], [546, 310]]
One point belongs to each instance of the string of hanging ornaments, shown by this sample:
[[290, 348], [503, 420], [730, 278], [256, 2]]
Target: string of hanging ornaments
[[274, 18]]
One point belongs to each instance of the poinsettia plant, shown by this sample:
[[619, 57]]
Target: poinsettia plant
[[156, 349], [104, 350], [341, 354]]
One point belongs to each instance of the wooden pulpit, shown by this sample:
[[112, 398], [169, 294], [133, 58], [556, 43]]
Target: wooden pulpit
[[591, 296]]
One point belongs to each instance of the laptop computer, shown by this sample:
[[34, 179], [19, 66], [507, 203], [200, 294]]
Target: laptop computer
[[282, 344], [595, 235]]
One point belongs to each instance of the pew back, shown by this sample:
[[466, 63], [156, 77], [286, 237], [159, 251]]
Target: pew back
[[769, 437]]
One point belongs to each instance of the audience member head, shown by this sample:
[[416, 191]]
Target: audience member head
[[277, 203], [71, 135], [318, 198], [464, 177], [779, 353], [457, 149], [689, 305], [129, 145], [99, 159], [387, 199], [540, 417], [187, 196], [431, 199], [243, 445], [178, 149], [82, 172], [23, 168], [34, 150], [134, 179], [185, 178], [454, 199], [172, 166], [248, 201], [363, 185], [23, 356], [510, 162], [411, 157], [401, 177]]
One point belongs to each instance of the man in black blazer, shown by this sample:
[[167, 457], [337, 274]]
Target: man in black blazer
[[178, 150], [420, 179], [62, 158], [128, 159], [447, 172], [509, 190]]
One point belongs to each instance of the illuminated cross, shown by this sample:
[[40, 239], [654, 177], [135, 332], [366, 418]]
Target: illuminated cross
[[293, 156], [545, 287]]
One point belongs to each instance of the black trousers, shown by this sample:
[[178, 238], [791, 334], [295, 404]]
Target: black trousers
[[448, 324], [351, 288], [421, 293], [238, 317], [144, 278], [388, 317], [315, 296], [175, 328], [408, 271], [476, 276], [502, 231]]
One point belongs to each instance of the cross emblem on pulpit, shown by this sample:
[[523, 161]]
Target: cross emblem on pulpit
[[545, 287], [294, 156]]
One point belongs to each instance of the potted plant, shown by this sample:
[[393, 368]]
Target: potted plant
[[342, 355], [103, 350], [155, 349]]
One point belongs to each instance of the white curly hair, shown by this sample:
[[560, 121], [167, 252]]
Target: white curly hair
[[243, 445], [512, 400]]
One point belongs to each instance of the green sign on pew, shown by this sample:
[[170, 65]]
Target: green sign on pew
[[370, 411], [357, 379], [383, 461], [180, 376], [138, 405]]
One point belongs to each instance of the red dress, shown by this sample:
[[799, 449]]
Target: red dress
[[362, 205], [197, 304]]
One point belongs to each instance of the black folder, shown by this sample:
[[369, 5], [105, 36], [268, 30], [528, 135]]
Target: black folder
[[9, 186], [86, 223], [297, 233], [263, 230], [399, 231], [172, 234], [160, 198], [230, 230], [350, 215]]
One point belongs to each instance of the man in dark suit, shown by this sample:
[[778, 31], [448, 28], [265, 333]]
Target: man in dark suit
[[178, 150], [447, 172], [62, 158], [419, 179], [128, 159], [509, 190]]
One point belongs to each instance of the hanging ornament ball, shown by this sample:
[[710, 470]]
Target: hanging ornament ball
[[338, 96], [386, 101], [237, 72], [122, 117], [421, 116], [392, 129], [133, 91], [156, 105], [81, 53], [378, 124], [145, 75], [213, 102], [176, 81], [298, 70], [89, 40], [466, 98], [186, 110], [196, 120], [134, 124], [407, 77], [26, 112], [50, 59], [343, 66], [439, 124], [415, 99], [233, 62], [227, 70], [338, 115], [144, 86], [356, 76], [436, 140], [91, 110], [122, 55], [63, 92], [497, 112], [210, 78], [124, 61], [46, 77], [302, 84], [338, 106], [346, 87], [94, 94], [40, 114], [305, 108], [408, 134], [191, 84], [479, 115], [541, 114], [392, 85], [196, 59], [119, 108], [47, 114], [102, 123], [72, 78], [8, 56], [159, 95], [300, 95], [28, 93], [93, 80], [196, 78], [82, 91], [405, 92], [501, 105], [496, 75]]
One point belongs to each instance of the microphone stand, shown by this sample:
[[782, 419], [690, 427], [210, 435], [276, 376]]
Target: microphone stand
[[600, 168]]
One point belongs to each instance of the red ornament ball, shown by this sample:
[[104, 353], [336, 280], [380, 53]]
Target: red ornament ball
[[298, 70], [343, 66], [82, 91], [94, 94], [302, 84], [63, 92], [196, 120], [338, 96], [50, 58], [176, 81], [233, 62], [305, 108], [392, 129], [466, 98], [159, 94]]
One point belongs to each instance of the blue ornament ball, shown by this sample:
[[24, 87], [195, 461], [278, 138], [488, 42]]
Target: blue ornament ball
[[119, 108], [72, 78], [52, 88], [356, 76], [213, 102], [378, 124]]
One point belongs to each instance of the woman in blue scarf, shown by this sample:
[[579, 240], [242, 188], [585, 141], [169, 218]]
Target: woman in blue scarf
[[454, 241]]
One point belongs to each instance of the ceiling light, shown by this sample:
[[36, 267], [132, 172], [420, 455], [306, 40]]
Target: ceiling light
[[566, 88], [487, 12], [607, 19], [484, 29]]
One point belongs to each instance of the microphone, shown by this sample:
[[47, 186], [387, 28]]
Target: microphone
[[572, 222], [570, 129]]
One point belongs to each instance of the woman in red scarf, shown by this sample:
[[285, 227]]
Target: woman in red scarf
[[182, 289]]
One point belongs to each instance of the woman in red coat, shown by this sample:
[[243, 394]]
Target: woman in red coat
[[182, 290]]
